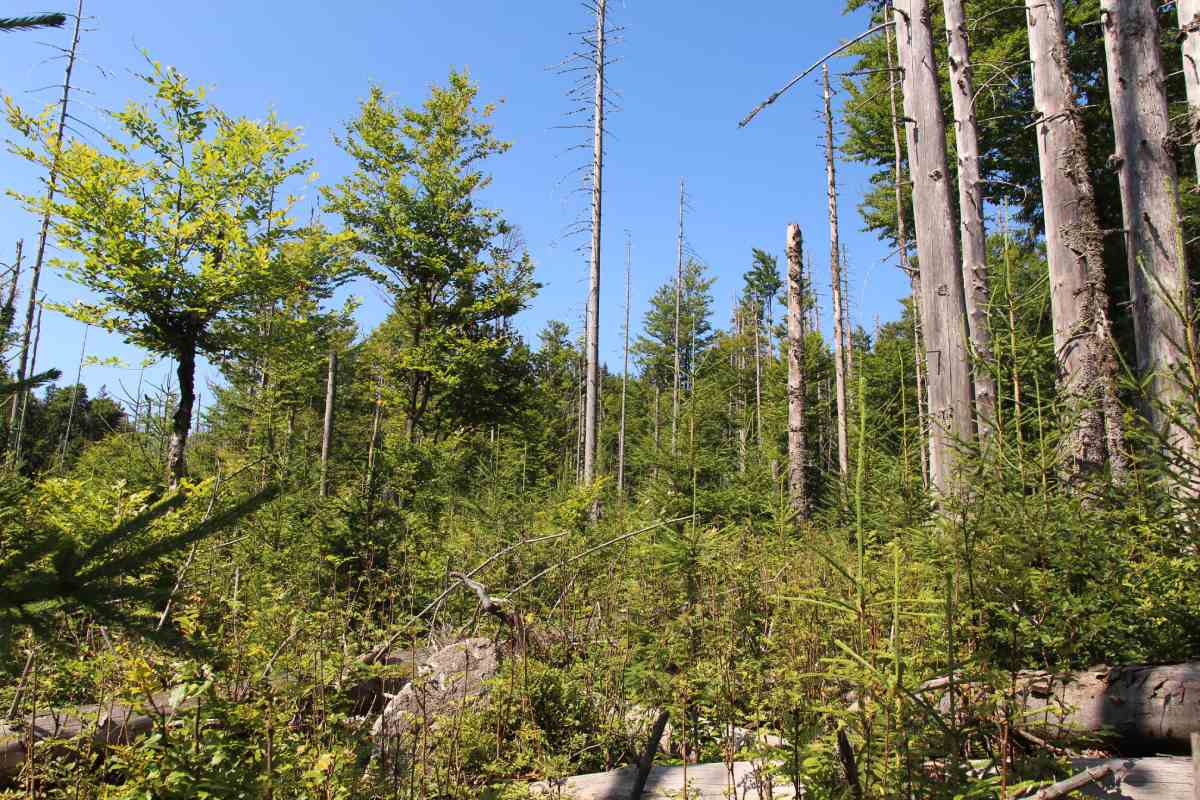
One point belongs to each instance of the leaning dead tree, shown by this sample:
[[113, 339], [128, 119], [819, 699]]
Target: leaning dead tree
[[1074, 250], [16, 419], [970, 217], [624, 375], [835, 273], [1145, 163], [797, 446], [943, 308], [592, 334]]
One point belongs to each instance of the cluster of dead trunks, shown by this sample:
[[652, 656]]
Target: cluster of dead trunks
[[1134, 710]]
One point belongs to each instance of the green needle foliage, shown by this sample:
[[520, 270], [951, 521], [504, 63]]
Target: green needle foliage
[[32, 22]]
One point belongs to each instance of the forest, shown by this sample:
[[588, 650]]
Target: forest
[[954, 554]]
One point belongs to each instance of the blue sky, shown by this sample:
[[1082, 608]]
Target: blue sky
[[686, 73]]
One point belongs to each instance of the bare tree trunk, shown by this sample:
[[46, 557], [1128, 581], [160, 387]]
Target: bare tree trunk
[[51, 189], [1150, 206], [913, 276], [592, 403], [970, 217], [1013, 353], [835, 271], [1189, 26], [1074, 250], [376, 418], [181, 422], [678, 301], [943, 308], [758, 376], [327, 428], [624, 377], [28, 393], [7, 316], [797, 446]]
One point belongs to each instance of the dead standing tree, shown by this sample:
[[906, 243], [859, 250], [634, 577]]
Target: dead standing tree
[[1074, 250], [943, 307], [970, 215], [797, 446], [1145, 161], [16, 420], [835, 272]]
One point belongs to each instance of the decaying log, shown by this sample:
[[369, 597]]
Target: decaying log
[[448, 680], [1078, 781], [1137, 709], [704, 782], [1160, 778], [106, 723]]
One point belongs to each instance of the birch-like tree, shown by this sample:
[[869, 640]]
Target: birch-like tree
[[174, 222]]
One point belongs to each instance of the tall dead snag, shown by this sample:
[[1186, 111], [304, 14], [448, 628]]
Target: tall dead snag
[[592, 401], [943, 309], [1074, 250], [327, 429], [678, 302], [835, 272], [970, 217], [15, 424], [1150, 209], [624, 376], [797, 446], [1189, 27], [902, 246]]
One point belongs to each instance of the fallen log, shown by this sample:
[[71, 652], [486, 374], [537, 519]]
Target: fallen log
[[1153, 778], [1136, 709], [704, 782], [106, 723]]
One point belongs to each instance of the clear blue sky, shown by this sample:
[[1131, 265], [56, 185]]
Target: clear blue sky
[[687, 72]]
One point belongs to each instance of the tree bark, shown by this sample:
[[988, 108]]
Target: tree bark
[[970, 218], [1150, 209], [1074, 250], [797, 446], [1189, 26], [327, 428], [181, 422], [902, 245], [592, 401], [835, 271], [943, 308]]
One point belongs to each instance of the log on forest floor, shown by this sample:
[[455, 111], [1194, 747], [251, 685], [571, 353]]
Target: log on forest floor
[[704, 782], [1152, 778], [1137, 709]]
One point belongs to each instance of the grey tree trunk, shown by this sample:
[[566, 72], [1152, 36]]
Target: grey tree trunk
[[835, 272], [1074, 250], [15, 452], [1150, 208], [327, 428], [592, 402], [758, 375], [624, 377], [902, 246], [181, 421], [51, 189], [7, 316], [943, 308], [1189, 26], [797, 446], [678, 300], [970, 217]]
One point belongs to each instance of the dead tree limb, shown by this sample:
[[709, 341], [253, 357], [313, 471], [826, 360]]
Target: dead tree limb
[[776, 95]]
